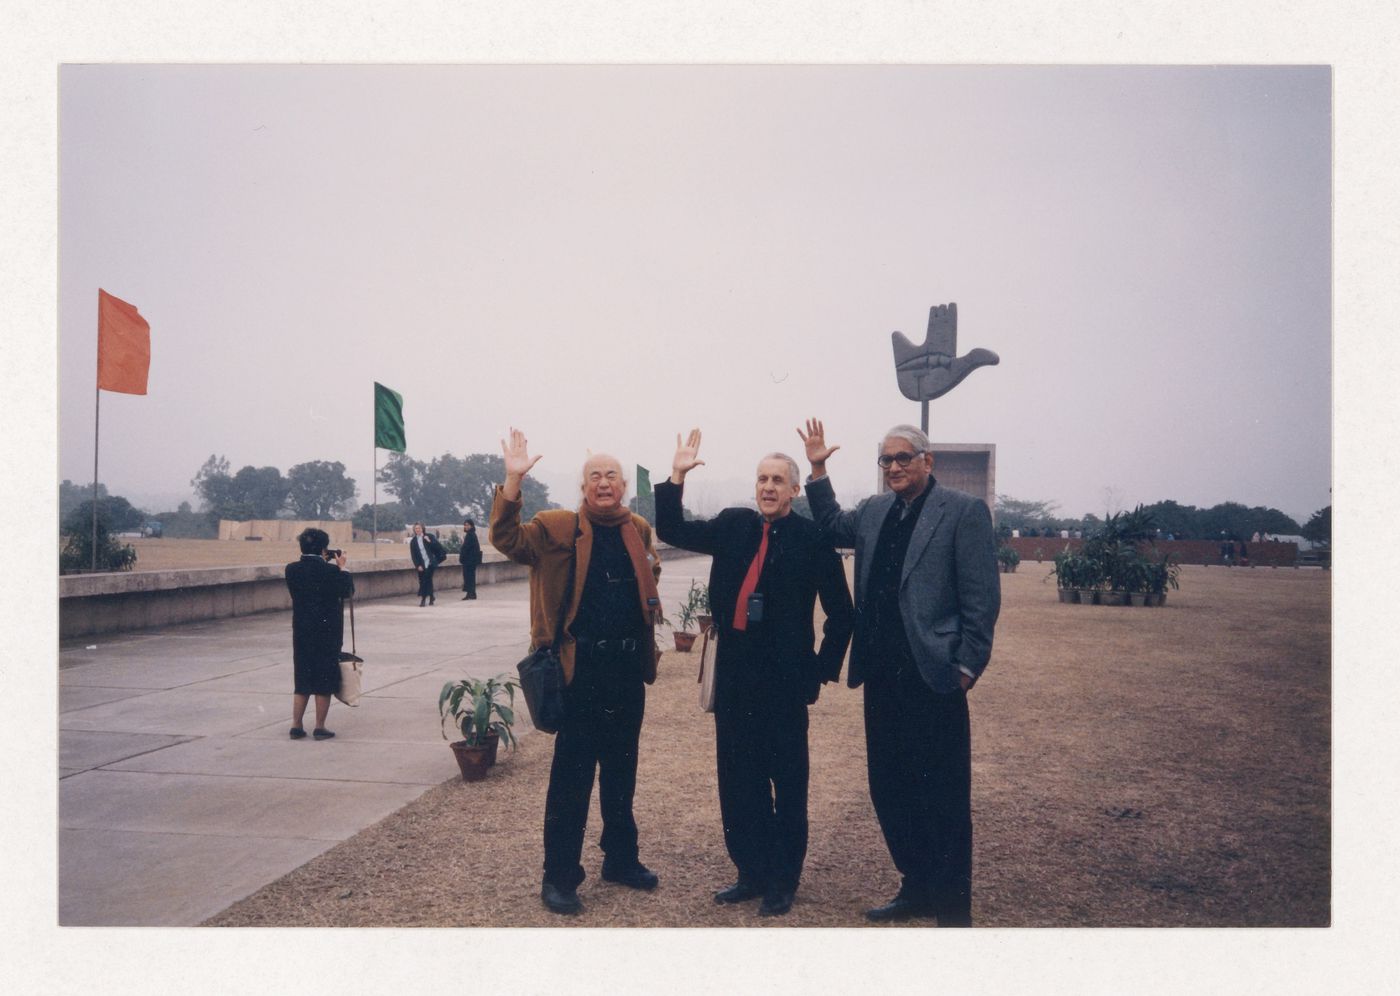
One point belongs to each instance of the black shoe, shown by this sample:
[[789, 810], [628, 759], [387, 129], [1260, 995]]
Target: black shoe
[[900, 908], [432, 599], [776, 903], [562, 901], [296, 733], [465, 597], [639, 876], [422, 601], [740, 892], [321, 733]]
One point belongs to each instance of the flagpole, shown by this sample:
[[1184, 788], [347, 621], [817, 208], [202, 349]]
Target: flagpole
[[96, 429], [374, 524]]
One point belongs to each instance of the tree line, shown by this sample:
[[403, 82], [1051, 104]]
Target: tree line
[[443, 489], [1230, 520]]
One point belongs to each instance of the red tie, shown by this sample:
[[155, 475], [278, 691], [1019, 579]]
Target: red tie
[[741, 611]]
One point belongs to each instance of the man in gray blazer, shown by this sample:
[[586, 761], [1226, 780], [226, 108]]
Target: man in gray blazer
[[927, 598]]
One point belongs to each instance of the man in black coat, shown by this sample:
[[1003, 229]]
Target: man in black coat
[[768, 570], [470, 557], [318, 587]]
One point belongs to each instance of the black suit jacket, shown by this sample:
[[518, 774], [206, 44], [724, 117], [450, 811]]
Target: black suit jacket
[[470, 554], [800, 567], [318, 625]]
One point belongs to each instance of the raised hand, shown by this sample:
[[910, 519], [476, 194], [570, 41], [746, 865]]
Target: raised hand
[[814, 439], [687, 456], [518, 461]]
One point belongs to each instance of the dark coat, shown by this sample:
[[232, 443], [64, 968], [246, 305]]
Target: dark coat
[[435, 550], [318, 624], [800, 567], [470, 554]]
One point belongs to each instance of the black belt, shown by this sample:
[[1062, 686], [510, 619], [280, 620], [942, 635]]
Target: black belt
[[608, 645]]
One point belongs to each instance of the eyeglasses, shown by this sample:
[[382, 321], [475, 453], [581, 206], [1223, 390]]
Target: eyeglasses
[[903, 459]]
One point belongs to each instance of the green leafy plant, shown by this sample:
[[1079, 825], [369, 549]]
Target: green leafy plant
[[699, 597], [1163, 574], [1008, 557], [479, 707]]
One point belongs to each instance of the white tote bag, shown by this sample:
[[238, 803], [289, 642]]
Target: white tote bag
[[708, 648]]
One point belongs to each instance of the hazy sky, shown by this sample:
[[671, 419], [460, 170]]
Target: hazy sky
[[603, 256]]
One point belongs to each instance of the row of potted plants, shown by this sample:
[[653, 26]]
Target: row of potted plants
[[1112, 568]]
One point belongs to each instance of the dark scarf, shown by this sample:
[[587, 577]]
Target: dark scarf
[[636, 552]]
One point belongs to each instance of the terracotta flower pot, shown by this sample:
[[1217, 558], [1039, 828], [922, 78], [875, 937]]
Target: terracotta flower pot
[[476, 760], [1138, 597], [684, 640], [1086, 596], [1067, 596], [1113, 597], [705, 622]]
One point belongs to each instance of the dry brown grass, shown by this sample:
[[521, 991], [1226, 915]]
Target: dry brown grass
[[1132, 767]]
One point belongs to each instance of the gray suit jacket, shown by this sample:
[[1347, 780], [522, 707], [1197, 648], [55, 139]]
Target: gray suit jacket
[[950, 588]]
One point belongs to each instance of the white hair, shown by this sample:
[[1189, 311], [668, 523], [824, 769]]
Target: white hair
[[913, 436], [794, 473], [583, 471]]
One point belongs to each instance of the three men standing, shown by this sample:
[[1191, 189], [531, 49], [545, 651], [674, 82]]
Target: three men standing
[[769, 567], [593, 590], [927, 596]]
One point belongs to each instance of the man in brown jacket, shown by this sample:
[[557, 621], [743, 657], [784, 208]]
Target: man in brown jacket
[[599, 566]]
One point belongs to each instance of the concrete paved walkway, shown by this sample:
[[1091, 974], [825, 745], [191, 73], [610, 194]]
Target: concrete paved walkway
[[180, 792]]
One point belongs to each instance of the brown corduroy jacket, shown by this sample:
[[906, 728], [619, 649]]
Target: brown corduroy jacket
[[546, 544]]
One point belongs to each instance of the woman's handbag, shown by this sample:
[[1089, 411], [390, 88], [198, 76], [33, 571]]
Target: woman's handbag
[[542, 672], [350, 670], [350, 675], [709, 647]]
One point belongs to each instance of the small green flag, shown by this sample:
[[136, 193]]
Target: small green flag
[[388, 419], [643, 482]]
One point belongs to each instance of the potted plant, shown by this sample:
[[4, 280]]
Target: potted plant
[[700, 598], [684, 638], [1064, 574], [477, 708], [1008, 558], [1160, 576]]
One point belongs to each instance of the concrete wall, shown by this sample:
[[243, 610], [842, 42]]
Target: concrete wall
[[92, 604], [285, 530]]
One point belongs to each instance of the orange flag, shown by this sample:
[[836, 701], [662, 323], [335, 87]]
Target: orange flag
[[123, 346]]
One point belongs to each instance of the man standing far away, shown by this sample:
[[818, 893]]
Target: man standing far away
[[927, 598], [768, 569], [599, 567]]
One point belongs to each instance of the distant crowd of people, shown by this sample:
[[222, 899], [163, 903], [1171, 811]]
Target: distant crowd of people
[[920, 628]]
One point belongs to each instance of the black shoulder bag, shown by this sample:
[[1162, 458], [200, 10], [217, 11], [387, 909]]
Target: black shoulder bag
[[542, 672]]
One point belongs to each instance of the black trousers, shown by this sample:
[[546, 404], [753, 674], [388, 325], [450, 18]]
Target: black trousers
[[762, 762], [603, 709], [919, 754], [469, 579], [425, 581]]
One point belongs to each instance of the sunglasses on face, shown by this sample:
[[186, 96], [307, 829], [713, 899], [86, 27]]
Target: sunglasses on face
[[903, 459]]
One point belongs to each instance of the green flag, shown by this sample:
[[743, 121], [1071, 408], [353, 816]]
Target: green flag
[[643, 482], [388, 419]]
